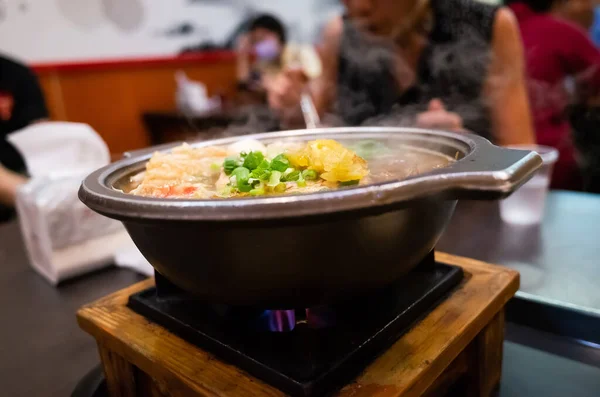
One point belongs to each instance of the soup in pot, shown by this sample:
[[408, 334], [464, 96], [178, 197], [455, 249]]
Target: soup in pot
[[250, 168]]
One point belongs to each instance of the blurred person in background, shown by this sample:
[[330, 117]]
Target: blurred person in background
[[584, 114], [21, 104], [448, 64], [264, 50], [557, 52], [579, 12], [264, 41], [9, 183], [595, 29]]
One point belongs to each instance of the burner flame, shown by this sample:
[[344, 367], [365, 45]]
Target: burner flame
[[287, 320], [280, 320]]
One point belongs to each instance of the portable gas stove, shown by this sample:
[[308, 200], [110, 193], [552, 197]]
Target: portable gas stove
[[301, 352]]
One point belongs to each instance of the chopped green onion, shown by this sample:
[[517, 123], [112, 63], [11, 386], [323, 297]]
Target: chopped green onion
[[244, 187], [280, 188], [253, 160], [288, 171], [310, 175], [280, 163], [214, 167], [230, 164], [349, 183], [261, 174], [301, 182], [242, 177], [241, 174], [266, 175], [257, 192], [265, 164], [275, 179], [291, 177]]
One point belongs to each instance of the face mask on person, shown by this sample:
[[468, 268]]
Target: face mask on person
[[267, 50]]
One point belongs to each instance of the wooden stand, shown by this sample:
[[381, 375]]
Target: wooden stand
[[458, 345]]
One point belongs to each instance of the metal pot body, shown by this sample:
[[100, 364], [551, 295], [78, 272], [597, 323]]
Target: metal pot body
[[282, 264]]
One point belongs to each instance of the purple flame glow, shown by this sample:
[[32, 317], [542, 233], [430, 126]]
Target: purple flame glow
[[280, 320]]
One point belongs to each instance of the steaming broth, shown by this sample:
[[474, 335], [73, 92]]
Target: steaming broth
[[249, 168]]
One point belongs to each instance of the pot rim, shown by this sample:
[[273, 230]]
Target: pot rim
[[484, 171]]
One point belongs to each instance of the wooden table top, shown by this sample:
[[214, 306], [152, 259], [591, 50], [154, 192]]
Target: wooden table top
[[408, 368], [558, 260]]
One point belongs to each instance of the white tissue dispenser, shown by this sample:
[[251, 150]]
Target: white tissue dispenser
[[62, 236]]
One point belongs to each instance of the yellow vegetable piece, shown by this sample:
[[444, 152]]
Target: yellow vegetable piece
[[331, 160]]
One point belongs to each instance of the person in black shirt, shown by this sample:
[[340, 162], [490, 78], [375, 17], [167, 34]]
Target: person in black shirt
[[21, 99], [21, 104], [429, 63], [9, 182]]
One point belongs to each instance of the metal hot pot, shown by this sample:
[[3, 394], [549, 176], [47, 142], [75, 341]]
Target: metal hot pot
[[298, 251]]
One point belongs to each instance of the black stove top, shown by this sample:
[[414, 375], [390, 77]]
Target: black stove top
[[302, 352]]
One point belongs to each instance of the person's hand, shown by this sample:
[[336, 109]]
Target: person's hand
[[9, 183], [285, 89], [438, 117], [244, 46]]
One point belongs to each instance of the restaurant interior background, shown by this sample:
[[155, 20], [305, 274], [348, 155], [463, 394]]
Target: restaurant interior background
[[125, 53], [112, 64]]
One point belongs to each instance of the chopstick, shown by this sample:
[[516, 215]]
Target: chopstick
[[309, 111]]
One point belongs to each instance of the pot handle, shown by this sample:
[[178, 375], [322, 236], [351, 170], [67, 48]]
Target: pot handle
[[150, 150], [491, 172]]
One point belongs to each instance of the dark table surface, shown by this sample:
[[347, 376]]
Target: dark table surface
[[44, 353], [559, 260], [42, 350]]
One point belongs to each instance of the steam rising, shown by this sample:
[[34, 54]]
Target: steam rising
[[367, 92], [253, 119], [376, 88]]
